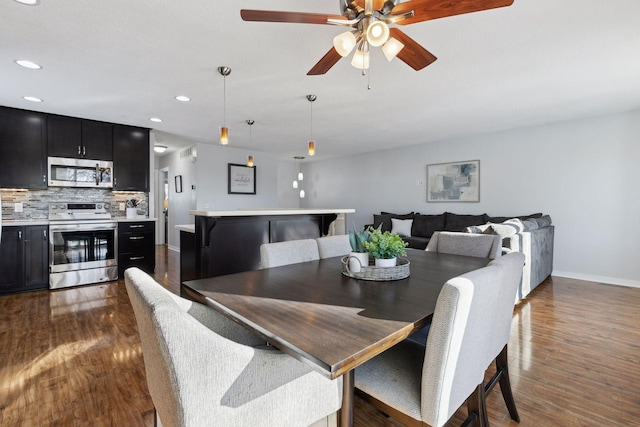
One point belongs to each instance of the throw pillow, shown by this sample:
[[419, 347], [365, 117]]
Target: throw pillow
[[456, 222], [402, 227]]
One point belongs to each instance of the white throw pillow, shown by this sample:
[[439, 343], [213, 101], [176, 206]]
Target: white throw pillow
[[402, 227]]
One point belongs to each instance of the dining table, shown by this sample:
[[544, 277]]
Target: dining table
[[318, 313]]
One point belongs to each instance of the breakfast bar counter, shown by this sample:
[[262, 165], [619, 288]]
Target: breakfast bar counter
[[228, 242]]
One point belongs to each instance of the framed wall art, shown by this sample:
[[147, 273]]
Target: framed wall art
[[242, 179], [178, 183], [454, 182]]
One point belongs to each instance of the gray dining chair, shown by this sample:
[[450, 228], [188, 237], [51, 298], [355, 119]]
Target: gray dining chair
[[204, 370], [332, 246], [478, 245], [418, 385], [288, 252]]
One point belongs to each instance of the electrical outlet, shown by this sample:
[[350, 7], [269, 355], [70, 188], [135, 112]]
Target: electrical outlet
[[17, 207], [121, 206]]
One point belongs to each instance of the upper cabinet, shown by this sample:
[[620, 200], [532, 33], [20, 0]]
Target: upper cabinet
[[79, 138], [130, 158], [23, 149]]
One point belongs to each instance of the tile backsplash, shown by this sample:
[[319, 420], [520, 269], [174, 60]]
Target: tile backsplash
[[35, 203]]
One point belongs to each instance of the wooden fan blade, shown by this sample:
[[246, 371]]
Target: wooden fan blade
[[425, 10], [292, 17], [328, 60], [412, 53]]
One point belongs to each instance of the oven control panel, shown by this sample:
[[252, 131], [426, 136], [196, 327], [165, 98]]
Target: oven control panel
[[67, 211]]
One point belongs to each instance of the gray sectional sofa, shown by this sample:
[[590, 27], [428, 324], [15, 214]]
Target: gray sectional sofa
[[530, 234]]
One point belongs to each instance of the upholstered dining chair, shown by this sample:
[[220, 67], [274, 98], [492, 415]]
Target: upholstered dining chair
[[203, 369], [418, 385], [331, 246], [288, 252], [478, 245]]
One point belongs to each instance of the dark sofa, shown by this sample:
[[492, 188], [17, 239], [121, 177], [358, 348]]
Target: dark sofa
[[532, 235]]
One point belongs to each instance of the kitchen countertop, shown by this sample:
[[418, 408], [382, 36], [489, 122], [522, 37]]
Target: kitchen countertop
[[22, 222], [189, 228], [260, 212], [44, 221]]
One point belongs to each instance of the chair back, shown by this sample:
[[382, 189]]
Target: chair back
[[511, 265], [478, 245], [288, 252], [331, 246], [457, 351]]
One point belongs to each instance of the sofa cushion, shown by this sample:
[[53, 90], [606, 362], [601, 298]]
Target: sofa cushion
[[456, 222], [505, 229], [402, 227], [543, 221], [500, 219], [416, 242], [425, 225], [385, 219]]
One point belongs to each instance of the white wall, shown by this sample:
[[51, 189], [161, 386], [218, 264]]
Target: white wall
[[582, 173]]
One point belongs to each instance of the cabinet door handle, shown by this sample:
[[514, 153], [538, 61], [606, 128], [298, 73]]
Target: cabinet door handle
[[44, 234], [19, 235], [79, 150], [135, 258], [44, 179], [136, 226], [84, 151], [136, 238]]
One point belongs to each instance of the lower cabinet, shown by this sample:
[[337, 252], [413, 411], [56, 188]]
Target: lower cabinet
[[24, 258], [136, 246]]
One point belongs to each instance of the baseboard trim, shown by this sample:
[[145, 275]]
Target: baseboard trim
[[174, 248], [599, 279]]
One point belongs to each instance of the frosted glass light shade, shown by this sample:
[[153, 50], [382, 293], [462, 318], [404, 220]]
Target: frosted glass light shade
[[250, 161], [300, 176], [312, 148], [377, 33], [344, 43], [224, 135], [302, 194], [295, 184], [360, 60], [391, 48]]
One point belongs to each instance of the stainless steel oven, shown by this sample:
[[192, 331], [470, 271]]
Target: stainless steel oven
[[83, 244]]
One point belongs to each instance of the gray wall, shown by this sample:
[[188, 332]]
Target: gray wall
[[583, 173]]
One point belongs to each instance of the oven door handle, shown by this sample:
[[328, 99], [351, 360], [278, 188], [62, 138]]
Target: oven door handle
[[84, 227]]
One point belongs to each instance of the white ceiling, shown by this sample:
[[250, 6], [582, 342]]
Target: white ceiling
[[535, 62]]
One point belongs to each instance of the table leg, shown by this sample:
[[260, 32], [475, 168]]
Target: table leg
[[346, 412]]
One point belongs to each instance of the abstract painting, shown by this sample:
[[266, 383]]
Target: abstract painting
[[454, 182]]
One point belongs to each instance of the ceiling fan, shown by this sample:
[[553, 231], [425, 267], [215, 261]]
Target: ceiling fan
[[370, 20]]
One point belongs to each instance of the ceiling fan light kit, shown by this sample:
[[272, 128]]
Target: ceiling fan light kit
[[371, 20]]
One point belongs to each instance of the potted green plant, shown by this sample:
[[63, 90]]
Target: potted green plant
[[385, 247], [359, 257]]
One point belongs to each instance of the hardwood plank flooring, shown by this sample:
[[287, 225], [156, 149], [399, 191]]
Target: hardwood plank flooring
[[72, 357]]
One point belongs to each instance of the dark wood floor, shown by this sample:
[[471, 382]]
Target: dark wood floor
[[73, 358]]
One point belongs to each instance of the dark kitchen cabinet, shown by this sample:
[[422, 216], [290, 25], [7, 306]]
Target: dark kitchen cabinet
[[23, 149], [136, 246], [24, 258], [79, 138], [130, 158]]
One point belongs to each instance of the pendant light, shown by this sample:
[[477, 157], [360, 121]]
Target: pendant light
[[298, 183], [312, 143], [250, 157], [224, 130]]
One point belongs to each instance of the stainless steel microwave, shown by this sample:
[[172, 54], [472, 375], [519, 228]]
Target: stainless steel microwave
[[67, 172]]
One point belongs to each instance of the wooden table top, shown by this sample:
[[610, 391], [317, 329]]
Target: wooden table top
[[334, 323]]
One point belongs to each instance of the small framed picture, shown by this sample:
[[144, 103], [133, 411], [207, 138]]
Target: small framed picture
[[242, 179], [454, 182], [178, 183]]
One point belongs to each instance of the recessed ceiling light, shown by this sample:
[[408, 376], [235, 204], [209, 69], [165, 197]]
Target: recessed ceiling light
[[32, 99], [183, 98], [159, 148], [29, 2], [28, 64], [155, 119]]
